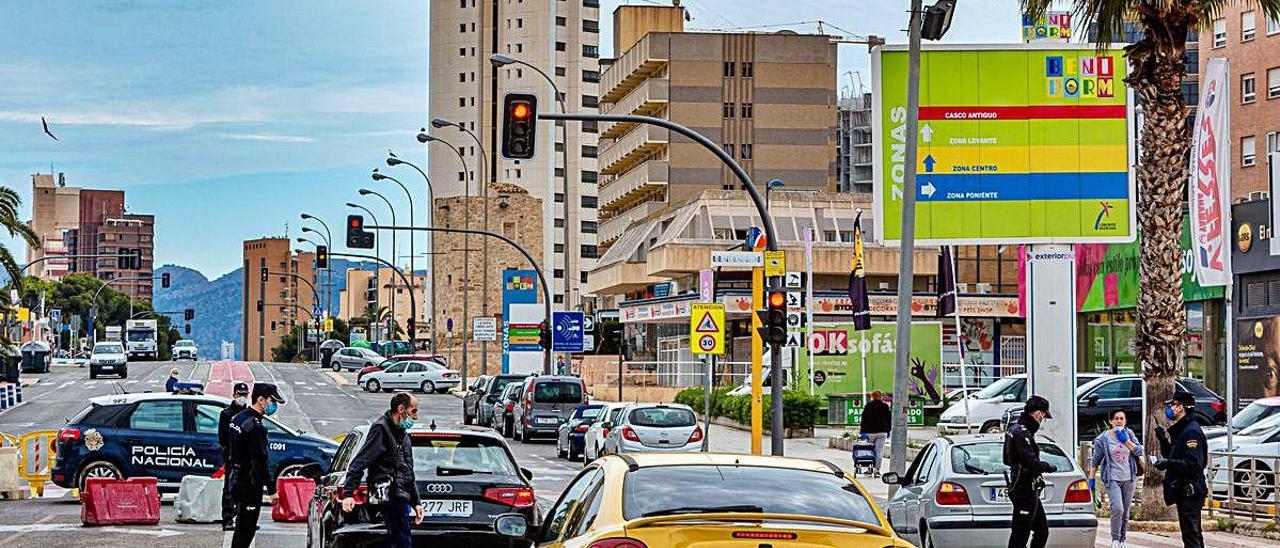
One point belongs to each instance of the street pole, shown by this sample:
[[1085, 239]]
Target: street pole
[[262, 317], [377, 251], [412, 258], [394, 253], [413, 301], [906, 274], [431, 243], [466, 250]]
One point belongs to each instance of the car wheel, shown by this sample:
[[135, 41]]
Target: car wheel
[[124, 373], [428, 387], [373, 386], [98, 469], [336, 366], [1254, 481], [926, 541], [991, 427]]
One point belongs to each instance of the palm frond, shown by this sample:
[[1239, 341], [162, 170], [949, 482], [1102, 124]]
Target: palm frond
[[11, 266]]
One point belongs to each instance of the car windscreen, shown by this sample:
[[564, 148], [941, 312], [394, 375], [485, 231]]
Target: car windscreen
[[456, 455], [1253, 413], [1261, 427], [996, 388], [108, 349], [661, 417], [590, 412], [987, 458], [98, 415], [557, 392], [141, 336], [659, 490], [500, 383]]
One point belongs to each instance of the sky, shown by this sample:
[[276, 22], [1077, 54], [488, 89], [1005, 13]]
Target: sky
[[226, 120]]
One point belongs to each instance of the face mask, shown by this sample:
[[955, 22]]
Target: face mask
[[406, 423], [271, 408], [240, 401], [1168, 413]]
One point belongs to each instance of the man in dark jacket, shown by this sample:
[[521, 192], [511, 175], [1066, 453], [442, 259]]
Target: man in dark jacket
[[238, 403], [249, 472], [876, 421], [387, 455], [1184, 461], [1022, 456]]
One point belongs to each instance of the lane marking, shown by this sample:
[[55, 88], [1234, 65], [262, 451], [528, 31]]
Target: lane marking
[[76, 527]]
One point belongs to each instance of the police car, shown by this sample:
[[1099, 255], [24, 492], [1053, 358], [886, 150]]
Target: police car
[[167, 436]]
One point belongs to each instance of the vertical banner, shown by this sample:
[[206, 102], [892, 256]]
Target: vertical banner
[[861, 302], [519, 287], [1209, 191]]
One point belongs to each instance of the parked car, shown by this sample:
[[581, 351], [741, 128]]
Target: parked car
[[545, 402], [479, 399], [185, 349], [570, 435], [354, 358], [1099, 397], [465, 477], [108, 357], [1257, 410], [1255, 454], [987, 407], [593, 439], [398, 358], [425, 375], [708, 500], [955, 495], [654, 427], [502, 410]]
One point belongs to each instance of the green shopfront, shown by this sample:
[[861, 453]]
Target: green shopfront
[[1106, 298]]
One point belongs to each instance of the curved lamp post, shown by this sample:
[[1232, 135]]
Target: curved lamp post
[[328, 291], [413, 260], [394, 250], [377, 252], [424, 138], [393, 160]]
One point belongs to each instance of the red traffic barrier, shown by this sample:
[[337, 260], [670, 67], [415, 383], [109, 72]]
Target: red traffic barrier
[[106, 501], [294, 499]]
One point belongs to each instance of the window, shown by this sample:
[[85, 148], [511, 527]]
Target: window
[[659, 489], [590, 76], [1248, 156], [559, 224], [1273, 26], [462, 77], [1115, 390], [560, 21], [519, 22], [397, 368], [416, 367], [590, 51], [590, 252], [207, 418], [559, 272], [748, 110], [569, 503], [1273, 83], [748, 69], [589, 151], [1248, 88], [728, 69], [560, 46], [462, 52], [590, 26], [583, 278], [589, 202], [590, 101], [591, 4], [728, 149], [1273, 143], [746, 152], [727, 110], [591, 177], [830, 235], [157, 415], [589, 227], [987, 458], [558, 299], [590, 127], [559, 197], [462, 101], [462, 27], [462, 175], [1248, 26], [1219, 32], [559, 248]]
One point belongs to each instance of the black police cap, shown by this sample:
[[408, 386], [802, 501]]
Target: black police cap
[[266, 390], [1038, 403], [1184, 398], [240, 389]]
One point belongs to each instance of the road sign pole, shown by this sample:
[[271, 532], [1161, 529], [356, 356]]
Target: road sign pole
[[757, 358], [906, 267], [706, 403]]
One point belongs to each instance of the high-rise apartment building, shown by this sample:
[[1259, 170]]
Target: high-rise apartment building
[[853, 144], [1251, 43], [767, 99], [561, 39], [55, 212], [287, 302]]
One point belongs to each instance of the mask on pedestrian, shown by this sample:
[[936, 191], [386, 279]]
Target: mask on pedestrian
[[1168, 413], [406, 423], [240, 401], [271, 408]]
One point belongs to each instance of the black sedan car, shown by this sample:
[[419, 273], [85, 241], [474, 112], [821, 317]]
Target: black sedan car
[[571, 435], [477, 404], [467, 477], [502, 412]]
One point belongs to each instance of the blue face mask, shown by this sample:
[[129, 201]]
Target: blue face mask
[[406, 423], [271, 408], [1168, 413]]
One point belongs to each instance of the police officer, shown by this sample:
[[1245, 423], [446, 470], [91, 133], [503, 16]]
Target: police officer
[[249, 473], [240, 394], [1183, 465], [1022, 456]]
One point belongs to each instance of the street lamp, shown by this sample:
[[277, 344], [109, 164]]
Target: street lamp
[[328, 293], [376, 176], [440, 123], [394, 253], [499, 60], [393, 160], [424, 138], [377, 252], [776, 183]]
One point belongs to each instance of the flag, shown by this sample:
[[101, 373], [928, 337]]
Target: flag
[[858, 282], [946, 283], [1209, 191]]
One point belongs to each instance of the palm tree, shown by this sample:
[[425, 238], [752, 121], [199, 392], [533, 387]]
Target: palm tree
[[1157, 63], [9, 202]]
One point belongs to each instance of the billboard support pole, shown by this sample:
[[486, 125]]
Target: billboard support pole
[[906, 267]]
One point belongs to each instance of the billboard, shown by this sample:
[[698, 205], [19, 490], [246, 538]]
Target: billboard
[[837, 359], [1053, 26], [1018, 144], [519, 318], [1107, 275], [1257, 359]]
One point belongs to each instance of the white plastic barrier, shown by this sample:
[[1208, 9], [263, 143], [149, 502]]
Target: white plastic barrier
[[199, 500]]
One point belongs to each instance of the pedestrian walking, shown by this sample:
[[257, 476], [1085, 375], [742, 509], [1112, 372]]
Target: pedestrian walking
[[1022, 456], [239, 402], [249, 472], [1116, 454], [387, 458], [1185, 457], [877, 419]]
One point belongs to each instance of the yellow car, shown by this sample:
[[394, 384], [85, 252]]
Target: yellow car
[[707, 500]]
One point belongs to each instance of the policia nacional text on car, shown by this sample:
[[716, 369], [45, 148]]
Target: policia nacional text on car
[[1183, 465], [1022, 456], [247, 470]]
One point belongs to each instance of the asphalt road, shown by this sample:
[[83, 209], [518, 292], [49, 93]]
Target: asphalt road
[[320, 401]]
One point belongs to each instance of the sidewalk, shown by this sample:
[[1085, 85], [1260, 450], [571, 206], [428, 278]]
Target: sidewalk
[[1170, 539]]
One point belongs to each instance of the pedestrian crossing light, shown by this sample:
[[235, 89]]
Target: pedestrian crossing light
[[322, 256], [519, 126], [357, 236], [773, 319]]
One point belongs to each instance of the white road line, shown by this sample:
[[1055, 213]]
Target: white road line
[[76, 527]]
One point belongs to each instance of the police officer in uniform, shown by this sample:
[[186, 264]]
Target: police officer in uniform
[[240, 395], [249, 473], [1184, 461], [1022, 456]]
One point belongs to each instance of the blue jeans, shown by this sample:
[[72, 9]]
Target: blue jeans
[[399, 527]]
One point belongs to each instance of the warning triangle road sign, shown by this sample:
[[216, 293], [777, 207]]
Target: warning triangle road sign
[[707, 324]]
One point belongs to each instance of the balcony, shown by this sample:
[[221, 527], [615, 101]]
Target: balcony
[[643, 140], [642, 61], [647, 99], [612, 228], [619, 193]]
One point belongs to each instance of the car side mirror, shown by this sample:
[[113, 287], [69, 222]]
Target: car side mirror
[[606, 425], [527, 473], [1010, 397], [1092, 400], [512, 526], [892, 478]]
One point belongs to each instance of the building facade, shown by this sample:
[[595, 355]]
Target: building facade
[[272, 307], [55, 212], [853, 144], [562, 40], [384, 289], [1251, 42]]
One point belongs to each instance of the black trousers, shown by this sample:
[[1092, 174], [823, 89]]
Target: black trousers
[[246, 524], [228, 501], [1189, 521], [1028, 521]]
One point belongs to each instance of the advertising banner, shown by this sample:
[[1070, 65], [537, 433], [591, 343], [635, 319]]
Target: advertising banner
[[838, 349], [1107, 275], [518, 287], [1052, 26], [1209, 191], [1257, 359]]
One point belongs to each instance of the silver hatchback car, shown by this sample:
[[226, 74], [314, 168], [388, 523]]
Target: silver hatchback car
[[954, 495], [654, 427]]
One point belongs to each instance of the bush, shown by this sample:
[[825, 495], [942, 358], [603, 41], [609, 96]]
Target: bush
[[800, 410], [691, 397]]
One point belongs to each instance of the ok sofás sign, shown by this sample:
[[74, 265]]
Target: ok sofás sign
[[167, 456]]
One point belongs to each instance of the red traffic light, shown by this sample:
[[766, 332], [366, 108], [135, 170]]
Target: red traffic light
[[777, 300], [520, 111], [355, 221]]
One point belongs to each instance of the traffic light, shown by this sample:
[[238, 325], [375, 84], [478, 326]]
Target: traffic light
[[773, 318], [544, 335], [265, 275], [519, 126], [411, 325], [164, 280], [259, 305], [357, 236], [322, 256], [189, 314], [187, 329], [937, 19]]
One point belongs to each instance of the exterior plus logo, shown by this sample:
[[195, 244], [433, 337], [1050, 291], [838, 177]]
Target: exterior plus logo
[[1104, 213]]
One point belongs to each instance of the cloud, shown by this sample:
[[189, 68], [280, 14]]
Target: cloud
[[267, 137]]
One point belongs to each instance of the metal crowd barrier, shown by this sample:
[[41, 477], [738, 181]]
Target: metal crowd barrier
[[1244, 486]]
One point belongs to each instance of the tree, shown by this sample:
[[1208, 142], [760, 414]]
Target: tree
[[1157, 63], [9, 202]]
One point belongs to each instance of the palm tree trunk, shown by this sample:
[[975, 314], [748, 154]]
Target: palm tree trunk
[[1156, 76]]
